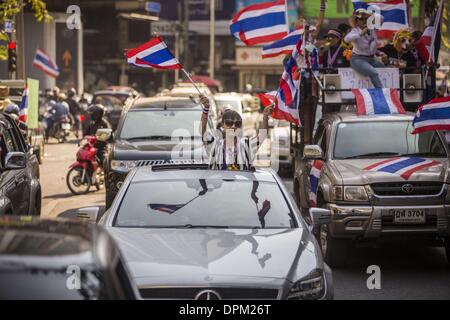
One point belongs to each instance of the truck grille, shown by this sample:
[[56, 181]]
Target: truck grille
[[419, 188], [225, 293]]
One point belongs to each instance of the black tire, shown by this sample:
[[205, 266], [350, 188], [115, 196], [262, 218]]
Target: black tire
[[41, 152], [447, 248], [37, 205], [87, 182]]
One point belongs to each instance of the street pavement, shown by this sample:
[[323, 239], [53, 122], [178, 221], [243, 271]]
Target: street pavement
[[408, 271]]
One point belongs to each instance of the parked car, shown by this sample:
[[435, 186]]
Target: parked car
[[20, 189], [60, 259], [380, 181], [280, 140], [114, 101], [186, 231], [151, 131], [245, 105]]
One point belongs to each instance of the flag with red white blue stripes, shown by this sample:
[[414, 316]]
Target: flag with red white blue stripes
[[378, 101], [314, 177], [23, 107], [43, 62], [261, 23], [429, 44], [404, 167], [153, 54], [284, 46], [435, 115]]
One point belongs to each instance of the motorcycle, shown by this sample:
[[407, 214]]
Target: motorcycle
[[86, 171], [60, 128]]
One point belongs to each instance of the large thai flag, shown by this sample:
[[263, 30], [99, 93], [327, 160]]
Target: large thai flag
[[284, 46], [435, 115], [43, 62], [378, 101], [23, 107], [314, 177], [429, 44], [288, 91], [404, 167], [153, 54], [261, 23], [394, 12]]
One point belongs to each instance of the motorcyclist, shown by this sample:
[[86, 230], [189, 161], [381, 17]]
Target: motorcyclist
[[97, 121], [56, 111], [74, 109], [13, 110]]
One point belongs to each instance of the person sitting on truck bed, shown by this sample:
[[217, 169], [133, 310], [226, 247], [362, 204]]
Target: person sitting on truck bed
[[399, 54], [364, 47], [333, 54]]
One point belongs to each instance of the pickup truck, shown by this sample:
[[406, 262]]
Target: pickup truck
[[380, 181]]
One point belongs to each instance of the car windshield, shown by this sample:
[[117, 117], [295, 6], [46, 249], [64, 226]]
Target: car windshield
[[385, 139], [229, 104], [148, 124], [204, 203]]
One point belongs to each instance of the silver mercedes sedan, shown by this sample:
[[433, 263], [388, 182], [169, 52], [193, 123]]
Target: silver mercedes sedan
[[191, 233]]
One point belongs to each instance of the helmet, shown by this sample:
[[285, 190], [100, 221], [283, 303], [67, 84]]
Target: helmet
[[62, 96], [12, 108], [56, 90], [72, 93], [96, 111]]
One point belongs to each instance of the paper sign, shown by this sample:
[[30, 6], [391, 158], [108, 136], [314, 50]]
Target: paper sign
[[350, 79], [33, 103]]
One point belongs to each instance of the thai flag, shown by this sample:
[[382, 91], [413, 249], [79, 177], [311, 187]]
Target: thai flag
[[284, 46], [153, 54], [429, 44], [394, 12], [166, 208], [435, 115], [287, 94], [261, 23], [43, 62], [314, 177], [23, 107], [405, 167], [378, 101]]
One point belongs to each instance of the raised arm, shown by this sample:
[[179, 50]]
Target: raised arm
[[204, 117], [323, 7]]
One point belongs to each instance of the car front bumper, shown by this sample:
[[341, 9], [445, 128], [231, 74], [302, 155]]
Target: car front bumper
[[349, 221]]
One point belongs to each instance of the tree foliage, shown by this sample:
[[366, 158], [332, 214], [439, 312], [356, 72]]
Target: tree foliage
[[10, 8]]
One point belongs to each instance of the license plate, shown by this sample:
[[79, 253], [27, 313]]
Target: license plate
[[409, 216], [66, 126]]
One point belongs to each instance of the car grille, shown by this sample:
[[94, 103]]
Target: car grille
[[396, 188], [225, 293]]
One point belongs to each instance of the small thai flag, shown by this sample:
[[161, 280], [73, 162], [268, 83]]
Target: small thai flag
[[394, 12], [153, 54], [284, 46], [405, 167], [23, 107], [314, 177], [166, 208], [429, 44], [378, 101], [433, 116], [43, 62], [261, 23]]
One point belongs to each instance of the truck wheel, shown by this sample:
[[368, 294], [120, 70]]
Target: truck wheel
[[447, 248], [335, 251]]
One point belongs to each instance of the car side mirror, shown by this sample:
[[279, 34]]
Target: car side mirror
[[312, 152], [89, 214], [320, 216], [15, 160], [103, 134]]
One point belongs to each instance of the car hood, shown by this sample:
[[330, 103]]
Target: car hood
[[184, 256], [155, 149], [353, 172]]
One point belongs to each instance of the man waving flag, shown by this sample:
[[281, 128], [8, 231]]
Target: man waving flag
[[261, 23]]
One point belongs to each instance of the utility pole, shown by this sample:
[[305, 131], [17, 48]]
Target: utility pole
[[186, 34], [19, 26], [177, 29], [212, 38]]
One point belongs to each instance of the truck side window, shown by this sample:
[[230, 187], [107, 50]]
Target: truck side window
[[320, 138], [9, 141]]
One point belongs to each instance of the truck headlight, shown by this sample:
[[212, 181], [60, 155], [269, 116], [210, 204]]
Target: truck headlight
[[310, 288], [122, 166], [355, 193]]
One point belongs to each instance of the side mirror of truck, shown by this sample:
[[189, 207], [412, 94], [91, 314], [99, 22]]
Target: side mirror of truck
[[103, 134], [320, 216], [313, 152], [15, 160], [89, 214]]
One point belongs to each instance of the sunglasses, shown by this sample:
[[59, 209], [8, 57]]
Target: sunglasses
[[231, 123]]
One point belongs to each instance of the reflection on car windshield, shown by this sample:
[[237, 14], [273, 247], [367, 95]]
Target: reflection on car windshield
[[204, 202], [164, 123], [385, 139]]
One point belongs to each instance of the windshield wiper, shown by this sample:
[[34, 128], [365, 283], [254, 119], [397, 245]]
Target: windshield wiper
[[424, 154], [150, 138], [374, 154]]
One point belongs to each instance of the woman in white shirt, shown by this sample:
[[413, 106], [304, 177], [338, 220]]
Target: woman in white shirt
[[365, 43]]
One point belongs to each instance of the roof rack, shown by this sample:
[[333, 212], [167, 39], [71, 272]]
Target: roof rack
[[193, 166]]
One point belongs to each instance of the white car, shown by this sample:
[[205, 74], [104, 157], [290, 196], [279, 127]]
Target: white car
[[280, 140]]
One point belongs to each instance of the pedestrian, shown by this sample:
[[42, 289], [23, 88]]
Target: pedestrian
[[365, 43], [228, 149]]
